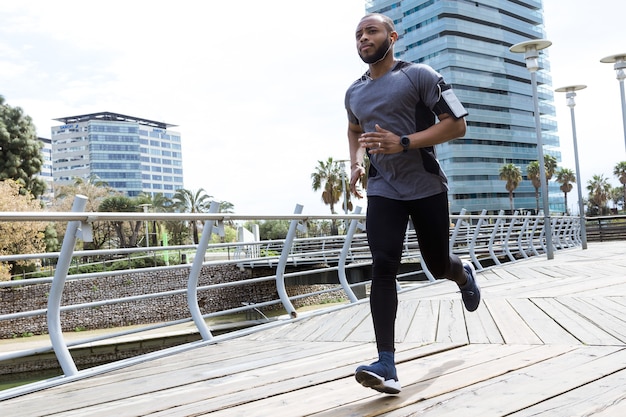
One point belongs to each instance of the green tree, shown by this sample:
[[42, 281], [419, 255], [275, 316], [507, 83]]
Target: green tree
[[20, 150], [127, 233], [616, 196], [620, 172], [188, 201], [158, 203], [534, 173], [18, 237], [512, 174], [599, 193], [565, 177], [96, 191], [550, 164], [327, 177], [273, 229]]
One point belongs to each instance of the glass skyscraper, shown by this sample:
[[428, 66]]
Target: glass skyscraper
[[130, 154], [468, 43]]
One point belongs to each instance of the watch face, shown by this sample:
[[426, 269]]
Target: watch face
[[405, 141]]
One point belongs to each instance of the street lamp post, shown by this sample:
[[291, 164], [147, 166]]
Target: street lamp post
[[570, 94], [620, 66], [531, 55], [145, 210]]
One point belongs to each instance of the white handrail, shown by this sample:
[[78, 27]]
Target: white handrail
[[56, 291], [490, 240]]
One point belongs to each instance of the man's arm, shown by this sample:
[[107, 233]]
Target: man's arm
[[357, 153], [384, 141]]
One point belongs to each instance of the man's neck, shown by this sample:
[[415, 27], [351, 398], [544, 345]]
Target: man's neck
[[382, 67]]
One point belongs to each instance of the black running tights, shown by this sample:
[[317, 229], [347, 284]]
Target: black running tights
[[387, 221]]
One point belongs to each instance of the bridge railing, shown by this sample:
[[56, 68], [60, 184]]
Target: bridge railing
[[482, 239]]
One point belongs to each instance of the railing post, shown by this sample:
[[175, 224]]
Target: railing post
[[557, 226], [194, 274], [341, 270], [455, 231], [492, 238], [56, 291], [520, 236], [282, 263], [472, 248], [507, 238], [532, 236]]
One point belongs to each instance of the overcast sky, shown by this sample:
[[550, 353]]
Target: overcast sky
[[256, 87]]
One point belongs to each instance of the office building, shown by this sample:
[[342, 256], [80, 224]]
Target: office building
[[131, 154], [468, 43], [46, 168]]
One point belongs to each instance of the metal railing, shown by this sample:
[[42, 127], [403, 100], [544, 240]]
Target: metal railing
[[483, 239]]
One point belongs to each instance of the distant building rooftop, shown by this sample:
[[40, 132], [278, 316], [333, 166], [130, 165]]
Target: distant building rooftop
[[114, 117]]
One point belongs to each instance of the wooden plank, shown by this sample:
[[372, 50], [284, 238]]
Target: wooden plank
[[541, 324], [443, 374], [213, 390], [609, 323], [129, 383], [572, 287], [511, 326], [269, 334], [363, 332], [504, 274], [404, 318], [451, 326], [247, 400], [588, 333], [481, 327], [525, 387], [344, 324], [423, 328], [602, 397]]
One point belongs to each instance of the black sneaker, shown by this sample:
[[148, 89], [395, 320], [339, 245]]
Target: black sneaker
[[380, 375], [470, 292]]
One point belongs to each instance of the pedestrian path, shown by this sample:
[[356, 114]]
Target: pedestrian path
[[548, 339]]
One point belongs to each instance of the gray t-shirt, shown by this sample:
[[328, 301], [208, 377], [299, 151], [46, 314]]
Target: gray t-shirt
[[401, 101]]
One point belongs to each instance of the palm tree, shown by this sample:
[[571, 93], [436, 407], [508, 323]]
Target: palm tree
[[187, 201], [599, 193], [620, 172], [158, 203], [550, 164], [615, 195], [565, 177], [512, 174], [127, 234], [327, 176], [532, 171]]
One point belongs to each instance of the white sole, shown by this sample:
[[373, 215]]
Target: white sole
[[376, 382]]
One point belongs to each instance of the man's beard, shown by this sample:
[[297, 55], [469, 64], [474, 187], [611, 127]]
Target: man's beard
[[379, 55]]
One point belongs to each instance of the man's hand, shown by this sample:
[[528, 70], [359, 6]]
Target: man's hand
[[381, 141], [357, 172]]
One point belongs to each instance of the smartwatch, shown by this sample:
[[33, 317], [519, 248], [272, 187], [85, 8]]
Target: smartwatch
[[405, 142]]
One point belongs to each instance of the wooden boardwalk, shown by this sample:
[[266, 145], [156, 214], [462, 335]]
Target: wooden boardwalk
[[548, 339]]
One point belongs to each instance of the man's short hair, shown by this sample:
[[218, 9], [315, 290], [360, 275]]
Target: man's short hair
[[386, 20]]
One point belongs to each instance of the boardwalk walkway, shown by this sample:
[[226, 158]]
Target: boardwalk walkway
[[549, 339]]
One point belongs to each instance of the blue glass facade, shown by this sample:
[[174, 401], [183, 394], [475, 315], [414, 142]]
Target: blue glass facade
[[131, 155], [468, 43]]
